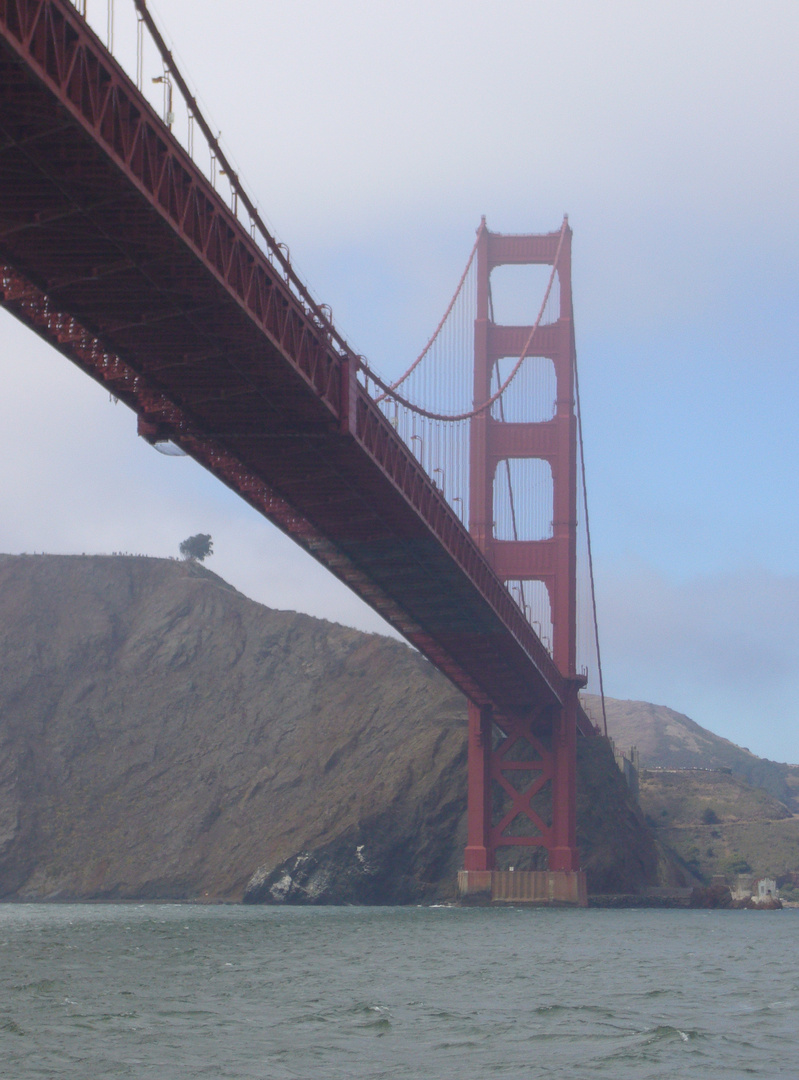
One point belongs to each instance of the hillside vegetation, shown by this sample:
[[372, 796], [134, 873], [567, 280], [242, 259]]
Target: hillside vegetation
[[676, 799], [720, 825], [719, 807], [163, 736]]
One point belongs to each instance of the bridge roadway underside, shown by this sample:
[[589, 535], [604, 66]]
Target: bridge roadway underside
[[176, 311]]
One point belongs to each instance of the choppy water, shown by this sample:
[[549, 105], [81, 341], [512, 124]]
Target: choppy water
[[180, 991]]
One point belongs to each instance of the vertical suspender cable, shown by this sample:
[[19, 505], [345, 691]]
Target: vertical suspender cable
[[139, 51]]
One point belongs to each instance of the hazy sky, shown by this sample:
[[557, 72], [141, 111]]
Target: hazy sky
[[373, 136]]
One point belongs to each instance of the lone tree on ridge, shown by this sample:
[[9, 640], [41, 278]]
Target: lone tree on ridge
[[196, 548]]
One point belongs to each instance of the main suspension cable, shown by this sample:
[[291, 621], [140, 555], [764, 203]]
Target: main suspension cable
[[444, 317], [388, 390], [588, 536], [277, 251]]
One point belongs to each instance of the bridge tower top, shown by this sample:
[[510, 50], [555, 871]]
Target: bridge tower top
[[551, 560]]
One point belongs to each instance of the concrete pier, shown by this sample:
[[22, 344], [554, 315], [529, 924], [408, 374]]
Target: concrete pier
[[555, 887]]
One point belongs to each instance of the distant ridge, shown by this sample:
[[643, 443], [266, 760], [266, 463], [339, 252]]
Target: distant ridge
[[668, 739]]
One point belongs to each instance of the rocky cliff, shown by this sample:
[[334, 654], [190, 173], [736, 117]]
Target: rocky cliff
[[163, 736]]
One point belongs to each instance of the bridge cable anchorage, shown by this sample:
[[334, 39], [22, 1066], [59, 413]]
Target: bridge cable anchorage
[[388, 390], [588, 537]]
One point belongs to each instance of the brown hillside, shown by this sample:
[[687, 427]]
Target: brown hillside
[[163, 736], [667, 739], [687, 797], [716, 822]]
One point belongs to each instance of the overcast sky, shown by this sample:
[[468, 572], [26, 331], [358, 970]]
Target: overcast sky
[[373, 136]]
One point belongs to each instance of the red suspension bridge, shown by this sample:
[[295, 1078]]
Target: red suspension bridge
[[449, 500]]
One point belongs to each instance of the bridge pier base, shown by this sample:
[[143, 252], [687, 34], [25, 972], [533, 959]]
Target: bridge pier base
[[547, 887]]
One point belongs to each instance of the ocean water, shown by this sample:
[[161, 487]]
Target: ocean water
[[181, 991]]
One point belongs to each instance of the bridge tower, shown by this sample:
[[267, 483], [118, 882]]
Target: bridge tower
[[522, 841]]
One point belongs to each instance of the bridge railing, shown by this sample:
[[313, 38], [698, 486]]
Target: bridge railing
[[130, 33]]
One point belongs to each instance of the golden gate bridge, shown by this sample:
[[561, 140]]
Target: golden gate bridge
[[452, 499]]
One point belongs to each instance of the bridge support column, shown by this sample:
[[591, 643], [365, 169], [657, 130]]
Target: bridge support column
[[522, 830], [563, 852], [476, 856]]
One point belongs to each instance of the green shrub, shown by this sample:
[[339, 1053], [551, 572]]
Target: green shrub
[[737, 864]]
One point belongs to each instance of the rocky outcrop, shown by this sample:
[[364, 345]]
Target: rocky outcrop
[[163, 736], [375, 863]]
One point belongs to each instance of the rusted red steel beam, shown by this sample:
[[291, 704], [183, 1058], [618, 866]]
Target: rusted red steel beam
[[117, 251]]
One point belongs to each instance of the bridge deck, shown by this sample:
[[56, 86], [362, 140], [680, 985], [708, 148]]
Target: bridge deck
[[118, 251]]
